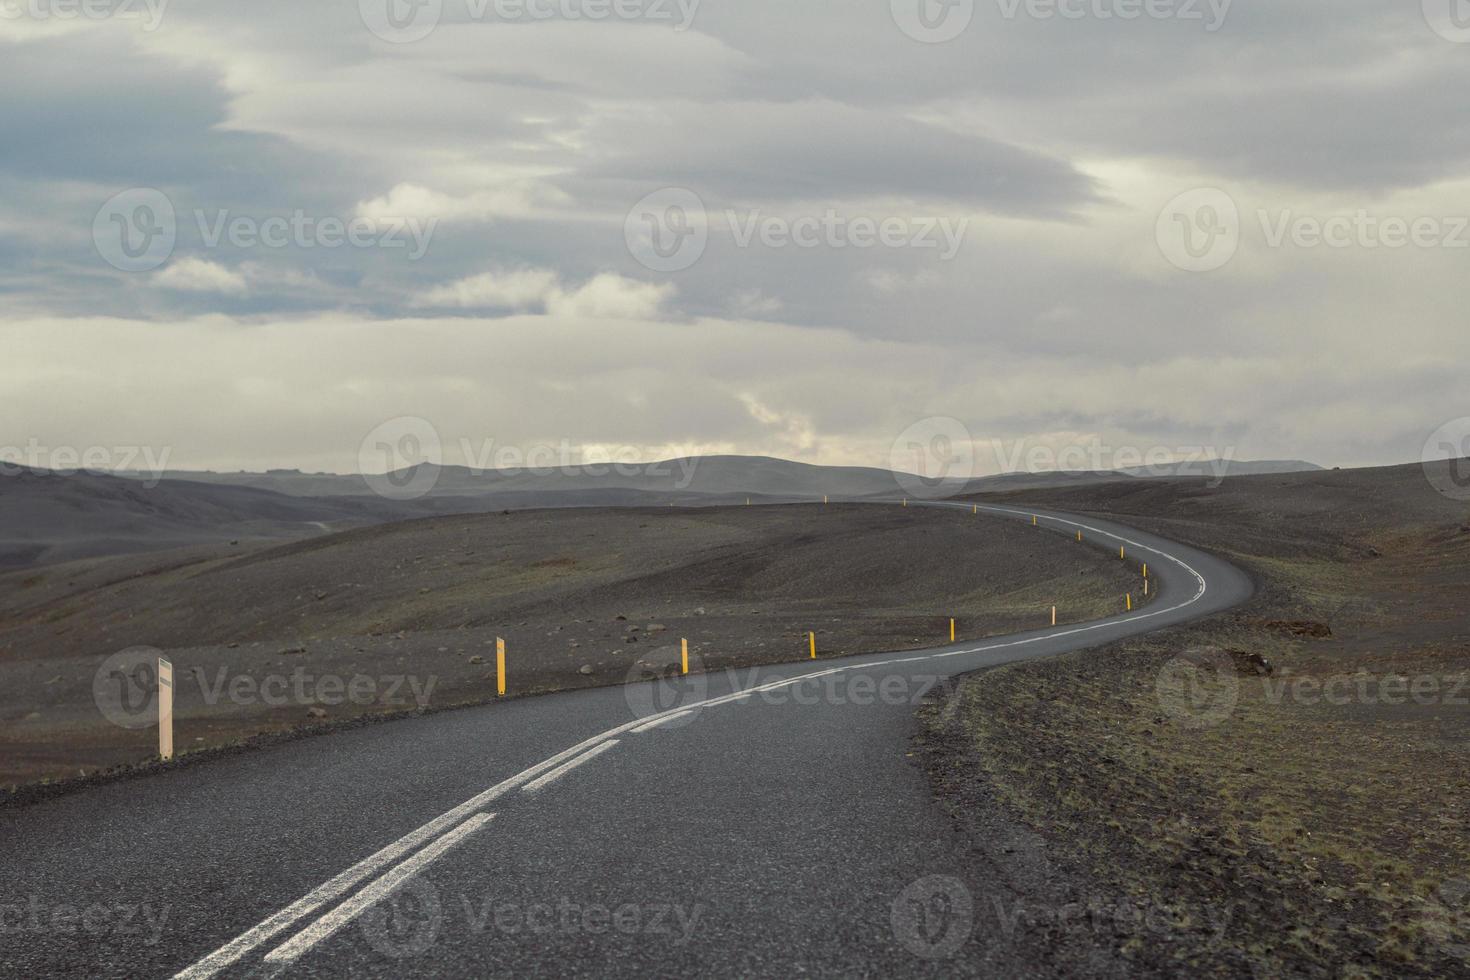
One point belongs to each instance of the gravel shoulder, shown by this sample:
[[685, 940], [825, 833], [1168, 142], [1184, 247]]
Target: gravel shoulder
[[1280, 790]]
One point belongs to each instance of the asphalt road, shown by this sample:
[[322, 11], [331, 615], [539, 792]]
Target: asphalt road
[[754, 822]]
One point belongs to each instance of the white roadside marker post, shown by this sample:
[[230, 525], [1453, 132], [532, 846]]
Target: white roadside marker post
[[165, 709]]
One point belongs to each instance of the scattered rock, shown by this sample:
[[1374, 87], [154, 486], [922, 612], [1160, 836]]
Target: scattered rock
[[699, 611], [1251, 664], [620, 617], [585, 669], [290, 650], [477, 659], [316, 712], [655, 627], [320, 596]]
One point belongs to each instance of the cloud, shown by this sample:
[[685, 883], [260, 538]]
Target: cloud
[[516, 289], [200, 276], [611, 296], [605, 296]]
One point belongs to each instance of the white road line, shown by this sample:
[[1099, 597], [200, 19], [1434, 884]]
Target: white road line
[[302, 907], [567, 767], [385, 886], [232, 951], [661, 720]]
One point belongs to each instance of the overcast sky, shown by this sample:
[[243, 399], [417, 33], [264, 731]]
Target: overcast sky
[[252, 235]]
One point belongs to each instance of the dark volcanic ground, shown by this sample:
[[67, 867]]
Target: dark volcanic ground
[[393, 617]]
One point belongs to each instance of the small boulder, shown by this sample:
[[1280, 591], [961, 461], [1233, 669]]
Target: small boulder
[[316, 713], [585, 670]]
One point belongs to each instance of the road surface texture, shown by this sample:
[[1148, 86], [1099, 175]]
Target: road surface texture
[[736, 823]]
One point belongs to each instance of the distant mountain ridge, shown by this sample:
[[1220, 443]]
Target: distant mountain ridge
[[719, 474], [47, 517]]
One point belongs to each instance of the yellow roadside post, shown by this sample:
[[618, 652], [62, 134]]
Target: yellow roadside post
[[1079, 535], [499, 667], [1033, 520], [1129, 598], [951, 629], [975, 509], [1053, 615], [811, 639], [1120, 551], [1145, 569], [683, 656]]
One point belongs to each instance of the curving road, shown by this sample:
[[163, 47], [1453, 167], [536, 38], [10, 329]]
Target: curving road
[[750, 822]]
